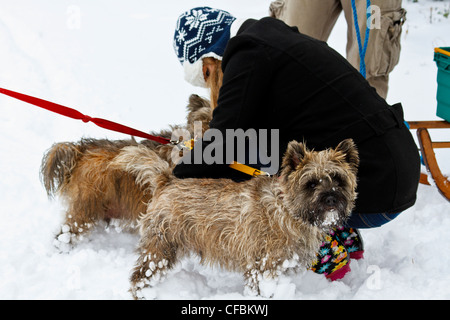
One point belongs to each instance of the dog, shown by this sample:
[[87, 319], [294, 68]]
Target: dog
[[260, 227], [80, 174]]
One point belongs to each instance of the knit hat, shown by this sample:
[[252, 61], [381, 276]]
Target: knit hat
[[201, 32]]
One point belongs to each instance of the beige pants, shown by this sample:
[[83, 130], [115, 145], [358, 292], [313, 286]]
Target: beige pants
[[317, 18]]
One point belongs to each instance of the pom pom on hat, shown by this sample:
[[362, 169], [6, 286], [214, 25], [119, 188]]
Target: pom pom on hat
[[201, 32]]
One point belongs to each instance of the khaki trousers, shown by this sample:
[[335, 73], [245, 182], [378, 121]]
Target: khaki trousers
[[317, 18]]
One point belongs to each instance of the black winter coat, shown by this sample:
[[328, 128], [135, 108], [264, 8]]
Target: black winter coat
[[276, 77]]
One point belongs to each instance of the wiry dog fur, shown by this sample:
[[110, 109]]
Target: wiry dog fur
[[80, 173], [258, 227]]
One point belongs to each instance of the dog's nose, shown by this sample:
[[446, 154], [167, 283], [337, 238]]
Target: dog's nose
[[331, 201]]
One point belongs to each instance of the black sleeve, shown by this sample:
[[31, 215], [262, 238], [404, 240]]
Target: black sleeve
[[193, 166], [245, 84], [242, 95]]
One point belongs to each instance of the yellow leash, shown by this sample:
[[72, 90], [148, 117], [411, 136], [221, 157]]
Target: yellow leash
[[248, 170]]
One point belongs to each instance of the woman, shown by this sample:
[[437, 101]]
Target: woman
[[273, 77]]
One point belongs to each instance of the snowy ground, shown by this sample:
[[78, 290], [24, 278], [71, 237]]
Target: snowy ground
[[116, 61]]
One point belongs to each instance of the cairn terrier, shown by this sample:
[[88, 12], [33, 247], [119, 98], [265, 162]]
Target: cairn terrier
[[260, 227], [80, 173]]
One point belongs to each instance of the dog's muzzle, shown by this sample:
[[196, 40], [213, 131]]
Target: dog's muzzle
[[329, 211]]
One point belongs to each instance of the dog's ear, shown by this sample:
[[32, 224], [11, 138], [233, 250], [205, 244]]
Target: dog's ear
[[295, 152], [348, 148], [196, 103]]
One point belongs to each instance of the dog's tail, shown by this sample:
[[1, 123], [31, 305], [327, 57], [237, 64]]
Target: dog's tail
[[146, 165], [57, 165]]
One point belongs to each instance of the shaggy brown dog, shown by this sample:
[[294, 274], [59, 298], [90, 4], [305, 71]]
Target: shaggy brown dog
[[259, 227], [94, 191]]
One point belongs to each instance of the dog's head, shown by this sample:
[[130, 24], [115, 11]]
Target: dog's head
[[320, 187], [199, 109]]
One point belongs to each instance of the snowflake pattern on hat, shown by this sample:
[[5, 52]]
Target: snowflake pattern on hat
[[200, 31], [197, 17]]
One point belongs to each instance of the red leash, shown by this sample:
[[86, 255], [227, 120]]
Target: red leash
[[74, 114]]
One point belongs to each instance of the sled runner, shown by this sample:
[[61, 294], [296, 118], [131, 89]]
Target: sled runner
[[427, 146]]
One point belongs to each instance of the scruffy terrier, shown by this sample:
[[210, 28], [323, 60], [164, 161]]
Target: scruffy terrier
[[260, 227], [80, 173]]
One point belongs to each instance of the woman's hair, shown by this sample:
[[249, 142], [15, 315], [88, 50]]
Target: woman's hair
[[214, 80]]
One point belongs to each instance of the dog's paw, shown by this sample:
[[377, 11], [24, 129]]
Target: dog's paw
[[136, 290], [144, 293], [251, 291], [259, 284], [139, 287], [149, 272], [63, 241], [66, 238], [252, 278]]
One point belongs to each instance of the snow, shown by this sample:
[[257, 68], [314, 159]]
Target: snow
[[116, 61], [331, 218]]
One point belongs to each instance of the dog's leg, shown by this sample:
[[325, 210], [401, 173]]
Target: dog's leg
[[268, 271], [156, 258], [252, 277], [71, 231]]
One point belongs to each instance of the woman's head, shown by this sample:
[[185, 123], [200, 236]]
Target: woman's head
[[201, 36], [213, 75]]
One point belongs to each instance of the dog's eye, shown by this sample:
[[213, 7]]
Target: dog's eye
[[340, 182], [310, 185]]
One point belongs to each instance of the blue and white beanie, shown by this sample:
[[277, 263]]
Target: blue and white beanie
[[201, 32]]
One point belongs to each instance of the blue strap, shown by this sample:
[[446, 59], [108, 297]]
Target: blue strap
[[362, 49]]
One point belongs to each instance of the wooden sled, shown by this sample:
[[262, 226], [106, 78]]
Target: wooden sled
[[426, 147]]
